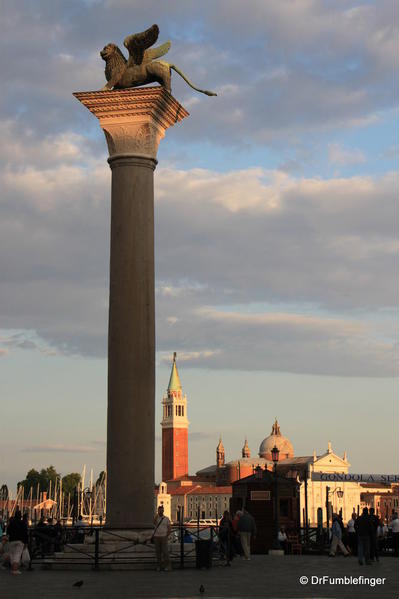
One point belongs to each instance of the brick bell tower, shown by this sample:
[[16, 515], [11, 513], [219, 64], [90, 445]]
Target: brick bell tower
[[174, 429]]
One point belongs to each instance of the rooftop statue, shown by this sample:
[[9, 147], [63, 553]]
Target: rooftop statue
[[142, 66]]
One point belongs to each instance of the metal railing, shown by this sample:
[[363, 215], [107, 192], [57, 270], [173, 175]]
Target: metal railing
[[317, 541], [98, 546]]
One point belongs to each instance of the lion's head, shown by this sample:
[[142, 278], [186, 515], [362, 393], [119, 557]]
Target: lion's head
[[115, 62]]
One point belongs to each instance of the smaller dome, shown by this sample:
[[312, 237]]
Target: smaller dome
[[276, 438]]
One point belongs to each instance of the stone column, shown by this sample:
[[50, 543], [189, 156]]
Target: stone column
[[134, 121]]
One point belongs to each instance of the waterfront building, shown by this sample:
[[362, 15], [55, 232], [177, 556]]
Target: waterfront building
[[210, 489]]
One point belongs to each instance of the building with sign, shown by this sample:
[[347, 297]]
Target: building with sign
[[208, 492]]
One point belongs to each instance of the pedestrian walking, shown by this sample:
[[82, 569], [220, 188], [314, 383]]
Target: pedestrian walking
[[364, 530], [336, 541], [247, 529], [160, 536]]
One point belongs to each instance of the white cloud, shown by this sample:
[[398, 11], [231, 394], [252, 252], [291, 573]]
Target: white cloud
[[283, 341], [240, 237], [285, 71], [344, 157]]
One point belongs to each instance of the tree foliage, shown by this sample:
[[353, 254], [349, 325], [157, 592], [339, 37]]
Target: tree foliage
[[70, 482], [40, 480], [4, 492]]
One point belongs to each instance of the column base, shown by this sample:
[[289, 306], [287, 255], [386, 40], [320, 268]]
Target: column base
[[139, 535]]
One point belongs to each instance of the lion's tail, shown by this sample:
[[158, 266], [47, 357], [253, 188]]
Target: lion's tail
[[179, 72]]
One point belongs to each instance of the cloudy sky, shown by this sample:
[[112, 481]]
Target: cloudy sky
[[276, 227]]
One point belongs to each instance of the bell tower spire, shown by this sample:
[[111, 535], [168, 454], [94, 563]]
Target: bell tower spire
[[245, 452], [174, 428], [220, 453]]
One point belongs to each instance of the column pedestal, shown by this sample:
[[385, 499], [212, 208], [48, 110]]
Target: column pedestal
[[134, 121]]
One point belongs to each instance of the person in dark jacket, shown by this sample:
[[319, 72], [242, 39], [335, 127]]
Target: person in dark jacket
[[375, 522], [59, 536], [226, 537], [364, 530]]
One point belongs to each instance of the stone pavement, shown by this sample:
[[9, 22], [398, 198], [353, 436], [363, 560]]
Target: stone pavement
[[263, 576]]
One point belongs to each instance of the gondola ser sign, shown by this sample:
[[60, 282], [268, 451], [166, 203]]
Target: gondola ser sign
[[342, 477]]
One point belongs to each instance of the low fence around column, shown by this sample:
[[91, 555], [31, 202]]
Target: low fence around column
[[98, 547]]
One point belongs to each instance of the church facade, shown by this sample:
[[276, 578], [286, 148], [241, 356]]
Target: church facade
[[209, 490]]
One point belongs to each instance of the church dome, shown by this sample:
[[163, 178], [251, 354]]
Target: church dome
[[276, 438]]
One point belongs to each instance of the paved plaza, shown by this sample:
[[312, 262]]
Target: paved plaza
[[263, 576]]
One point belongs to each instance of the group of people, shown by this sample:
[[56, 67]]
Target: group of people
[[235, 535], [365, 536], [14, 543], [48, 537]]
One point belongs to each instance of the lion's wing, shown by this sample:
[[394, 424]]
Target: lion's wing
[[154, 53], [139, 42]]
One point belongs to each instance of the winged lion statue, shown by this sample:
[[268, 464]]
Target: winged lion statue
[[142, 66]]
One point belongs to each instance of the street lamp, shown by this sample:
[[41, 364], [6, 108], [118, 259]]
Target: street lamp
[[275, 455], [87, 497]]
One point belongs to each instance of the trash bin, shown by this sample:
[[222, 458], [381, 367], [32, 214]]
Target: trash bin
[[203, 553]]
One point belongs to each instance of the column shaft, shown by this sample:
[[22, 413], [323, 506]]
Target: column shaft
[[131, 345], [134, 121]]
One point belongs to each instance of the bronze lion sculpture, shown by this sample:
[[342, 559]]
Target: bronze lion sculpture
[[141, 68]]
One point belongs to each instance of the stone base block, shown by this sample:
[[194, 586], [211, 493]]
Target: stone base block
[[276, 552]]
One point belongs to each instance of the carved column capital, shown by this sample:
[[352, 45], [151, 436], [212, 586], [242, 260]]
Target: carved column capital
[[134, 120]]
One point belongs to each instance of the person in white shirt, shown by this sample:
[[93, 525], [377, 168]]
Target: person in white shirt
[[282, 538], [80, 526], [381, 536], [394, 526], [352, 536], [160, 536]]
